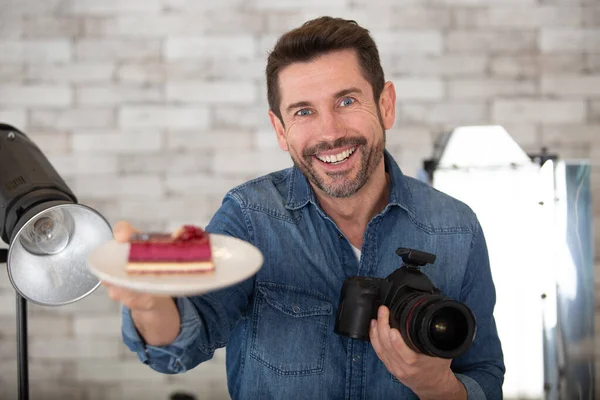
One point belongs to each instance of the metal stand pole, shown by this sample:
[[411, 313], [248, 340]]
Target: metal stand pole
[[23, 367]]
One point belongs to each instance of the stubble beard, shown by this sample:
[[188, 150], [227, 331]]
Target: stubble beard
[[340, 184]]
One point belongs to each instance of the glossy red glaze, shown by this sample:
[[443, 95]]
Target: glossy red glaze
[[190, 244]]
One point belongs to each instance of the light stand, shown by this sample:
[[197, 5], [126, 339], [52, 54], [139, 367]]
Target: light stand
[[22, 357], [48, 233]]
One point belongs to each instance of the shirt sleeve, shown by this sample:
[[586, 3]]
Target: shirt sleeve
[[481, 369], [207, 320]]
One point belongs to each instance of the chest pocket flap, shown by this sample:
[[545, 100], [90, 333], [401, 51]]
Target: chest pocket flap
[[290, 328], [293, 301]]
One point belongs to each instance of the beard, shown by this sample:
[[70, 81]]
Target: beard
[[341, 184]]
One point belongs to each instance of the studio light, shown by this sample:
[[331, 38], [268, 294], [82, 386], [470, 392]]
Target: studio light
[[49, 235], [535, 210]]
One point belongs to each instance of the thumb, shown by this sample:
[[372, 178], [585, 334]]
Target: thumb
[[123, 231]]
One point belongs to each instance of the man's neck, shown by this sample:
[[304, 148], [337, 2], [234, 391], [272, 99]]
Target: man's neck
[[352, 214]]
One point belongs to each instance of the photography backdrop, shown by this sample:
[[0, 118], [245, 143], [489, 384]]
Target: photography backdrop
[[152, 109]]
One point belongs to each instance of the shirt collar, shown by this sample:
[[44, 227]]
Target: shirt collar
[[301, 193]]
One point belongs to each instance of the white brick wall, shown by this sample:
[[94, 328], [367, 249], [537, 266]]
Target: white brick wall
[[35, 95], [163, 117], [418, 88], [447, 112], [217, 139], [153, 109], [117, 49], [490, 88], [35, 51], [419, 41], [72, 118], [212, 92], [185, 48], [110, 7], [515, 66], [494, 42], [14, 116], [570, 40], [49, 348], [114, 95], [443, 65], [571, 85], [70, 73], [116, 142], [557, 111], [44, 26]]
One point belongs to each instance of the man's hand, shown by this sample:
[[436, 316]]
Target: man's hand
[[429, 377], [134, 300], [156, 317]]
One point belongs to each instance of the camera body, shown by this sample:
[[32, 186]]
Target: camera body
[[428, 322]]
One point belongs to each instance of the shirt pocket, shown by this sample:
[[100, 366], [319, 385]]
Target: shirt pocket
[[289, 329]]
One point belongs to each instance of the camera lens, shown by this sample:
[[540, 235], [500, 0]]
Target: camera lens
[[448, 329], [433, 324]]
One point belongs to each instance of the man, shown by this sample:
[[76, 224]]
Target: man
[[341, 211]]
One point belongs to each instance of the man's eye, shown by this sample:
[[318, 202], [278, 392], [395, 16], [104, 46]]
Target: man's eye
[[347, 102], [303, 112]]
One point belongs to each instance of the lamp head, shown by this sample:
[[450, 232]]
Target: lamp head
[[48, 233]]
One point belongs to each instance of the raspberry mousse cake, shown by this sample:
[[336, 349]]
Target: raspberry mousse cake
[[187, 250]]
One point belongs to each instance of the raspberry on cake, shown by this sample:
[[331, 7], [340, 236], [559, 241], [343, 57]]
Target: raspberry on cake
[[186, 250]]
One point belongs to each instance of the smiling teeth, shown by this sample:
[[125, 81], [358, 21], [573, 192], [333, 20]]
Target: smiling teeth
[[337, 158]]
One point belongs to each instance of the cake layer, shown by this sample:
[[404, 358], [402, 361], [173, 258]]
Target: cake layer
[[170, 251], [186, 245], [169, 267]]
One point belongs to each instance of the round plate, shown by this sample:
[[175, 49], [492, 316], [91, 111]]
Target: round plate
[[235, 260]]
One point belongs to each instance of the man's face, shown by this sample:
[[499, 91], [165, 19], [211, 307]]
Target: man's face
[[333, 128]]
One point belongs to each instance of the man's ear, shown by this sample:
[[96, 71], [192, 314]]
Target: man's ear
[[387, 105], [279, 130]]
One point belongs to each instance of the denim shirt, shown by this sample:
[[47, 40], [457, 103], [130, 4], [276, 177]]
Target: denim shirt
[[278, 326]]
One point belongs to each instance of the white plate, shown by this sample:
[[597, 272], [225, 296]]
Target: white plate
[[235, 260]]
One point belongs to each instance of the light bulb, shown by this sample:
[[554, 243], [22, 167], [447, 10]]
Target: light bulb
[[49, 233]]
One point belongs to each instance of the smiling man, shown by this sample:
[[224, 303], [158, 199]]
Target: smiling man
[[341, 211]]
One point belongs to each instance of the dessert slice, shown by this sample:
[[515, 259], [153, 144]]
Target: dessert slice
[[185, 251]]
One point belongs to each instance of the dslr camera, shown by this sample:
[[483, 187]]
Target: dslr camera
[[429, 322]]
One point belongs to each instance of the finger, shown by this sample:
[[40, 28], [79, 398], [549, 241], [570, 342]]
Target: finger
[[127, 299], [374, 336], [123, 230], [114, 294], [403, 351], [383, 328], [400, 347], [133, 301], [106, 284], [121, 295]]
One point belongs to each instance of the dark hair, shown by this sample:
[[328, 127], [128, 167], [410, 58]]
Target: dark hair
[[318, 37]]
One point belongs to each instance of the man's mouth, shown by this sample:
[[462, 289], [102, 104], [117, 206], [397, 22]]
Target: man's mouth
[[336, 158]]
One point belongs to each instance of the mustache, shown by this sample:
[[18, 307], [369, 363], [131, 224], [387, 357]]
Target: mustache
[[338, 143]]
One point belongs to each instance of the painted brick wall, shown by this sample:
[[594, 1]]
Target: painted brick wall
[[152, 109]]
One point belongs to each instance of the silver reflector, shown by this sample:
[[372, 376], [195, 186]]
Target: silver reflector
[[47, 256]]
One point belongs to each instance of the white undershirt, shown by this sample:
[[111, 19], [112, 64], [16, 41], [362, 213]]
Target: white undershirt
[[357, 252]]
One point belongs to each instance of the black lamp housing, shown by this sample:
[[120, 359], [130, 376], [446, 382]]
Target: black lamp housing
[[28, 180]]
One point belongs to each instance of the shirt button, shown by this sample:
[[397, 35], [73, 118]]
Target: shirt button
[[356, 359], [340, 236], [296, 309]]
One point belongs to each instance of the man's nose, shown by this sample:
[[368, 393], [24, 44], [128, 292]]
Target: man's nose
[[332, 126]]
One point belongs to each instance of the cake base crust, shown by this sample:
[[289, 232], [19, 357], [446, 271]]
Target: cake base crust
[[169, 267]]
